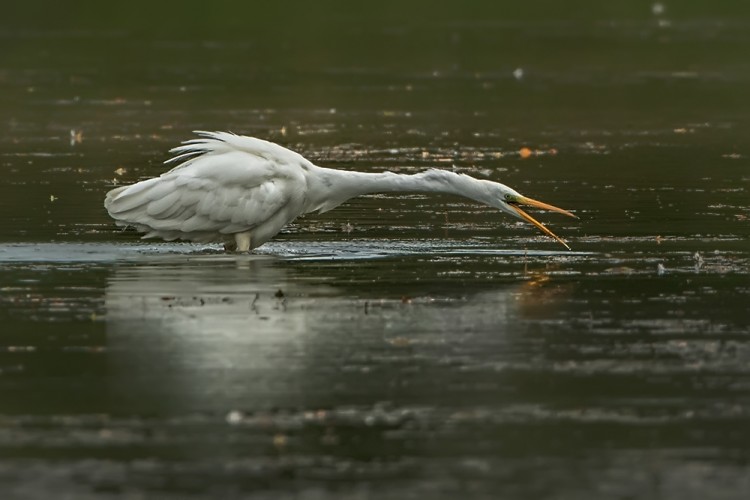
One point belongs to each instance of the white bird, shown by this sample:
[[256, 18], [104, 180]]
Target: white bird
[[242, 191]]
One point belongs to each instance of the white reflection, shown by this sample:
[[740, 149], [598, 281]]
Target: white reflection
[[182, 332], [222, 333]]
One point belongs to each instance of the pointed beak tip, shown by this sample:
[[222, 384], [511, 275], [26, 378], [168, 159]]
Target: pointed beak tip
[[523, 215]]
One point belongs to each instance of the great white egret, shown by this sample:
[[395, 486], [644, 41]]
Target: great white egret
[[242, 191]]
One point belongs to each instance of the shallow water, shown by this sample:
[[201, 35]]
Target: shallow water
[[398, 346]]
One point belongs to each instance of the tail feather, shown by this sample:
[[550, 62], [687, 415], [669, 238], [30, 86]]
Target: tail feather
[[127, 198]]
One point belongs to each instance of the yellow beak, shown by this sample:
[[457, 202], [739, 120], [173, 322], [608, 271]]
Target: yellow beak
[[538, 204]]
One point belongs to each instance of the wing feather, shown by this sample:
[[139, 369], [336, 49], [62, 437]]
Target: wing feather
[[226, 184], [167, 203]]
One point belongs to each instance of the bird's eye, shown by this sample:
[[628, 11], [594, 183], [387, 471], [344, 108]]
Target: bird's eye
[[508, 197]]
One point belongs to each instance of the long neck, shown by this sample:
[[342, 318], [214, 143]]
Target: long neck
[[331, 187]]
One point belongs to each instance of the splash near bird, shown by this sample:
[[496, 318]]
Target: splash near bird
[[242, 191]]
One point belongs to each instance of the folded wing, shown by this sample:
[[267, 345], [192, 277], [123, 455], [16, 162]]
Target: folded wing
[[226, 184]]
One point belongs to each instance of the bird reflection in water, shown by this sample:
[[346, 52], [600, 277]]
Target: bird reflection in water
[[213, 330]]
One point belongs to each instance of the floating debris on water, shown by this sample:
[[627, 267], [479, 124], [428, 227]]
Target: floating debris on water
[[698, 258], [660, 269], [76, 137], [399, 341], [279, 440], [657, 8], [234, 417]]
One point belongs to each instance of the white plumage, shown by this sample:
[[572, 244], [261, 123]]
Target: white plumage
[[242, 191]]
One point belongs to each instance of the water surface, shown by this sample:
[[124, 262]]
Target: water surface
[[398, 346]]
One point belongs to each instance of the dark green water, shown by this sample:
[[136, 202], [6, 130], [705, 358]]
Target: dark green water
[[401, 346]]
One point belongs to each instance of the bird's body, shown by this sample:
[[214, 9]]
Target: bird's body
[[242, 191]]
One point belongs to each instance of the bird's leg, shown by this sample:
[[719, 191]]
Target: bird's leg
[[242, 240]]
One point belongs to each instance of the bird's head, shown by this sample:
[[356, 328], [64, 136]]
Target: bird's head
[[508, 200]]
